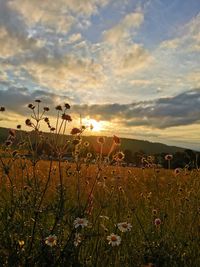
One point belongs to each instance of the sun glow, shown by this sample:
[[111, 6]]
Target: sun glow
[[95, 126]]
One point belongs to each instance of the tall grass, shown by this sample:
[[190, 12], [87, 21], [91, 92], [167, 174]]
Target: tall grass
[[88, 212]]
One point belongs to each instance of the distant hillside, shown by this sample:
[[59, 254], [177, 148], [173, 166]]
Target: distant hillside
[[126, 144]]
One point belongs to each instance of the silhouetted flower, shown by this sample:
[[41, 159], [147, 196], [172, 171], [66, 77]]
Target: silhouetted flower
[[31, 106], [75, 131], [67, 106], [28, 122], [59, 107], [66, 117], [168, 157], [46, 108]]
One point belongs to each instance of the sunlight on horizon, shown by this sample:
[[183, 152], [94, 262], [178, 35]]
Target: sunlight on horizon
[[95, 126]]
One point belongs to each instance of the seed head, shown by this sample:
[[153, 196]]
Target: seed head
[[59, 107], [46, 108], [28, 122], [67, 106], [66, 117], [75, 131]]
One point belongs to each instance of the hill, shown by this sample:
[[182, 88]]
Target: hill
[[133, 145]]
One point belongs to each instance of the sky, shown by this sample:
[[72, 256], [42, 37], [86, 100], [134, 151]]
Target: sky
[[131, 65]]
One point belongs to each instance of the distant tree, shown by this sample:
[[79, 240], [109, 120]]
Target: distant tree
[[128, 156], [191, 156]]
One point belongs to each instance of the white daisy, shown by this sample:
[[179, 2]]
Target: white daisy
[[114, 240], [83, 222], [124, 226]]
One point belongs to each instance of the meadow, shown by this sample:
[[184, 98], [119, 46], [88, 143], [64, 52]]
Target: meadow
[[92, 211]]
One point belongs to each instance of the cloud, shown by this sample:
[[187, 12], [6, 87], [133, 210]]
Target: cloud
[[60, 15], [16, 99], [188, 37], [74, 38], [182, 109], [135, 58], [171, 44], [123, 29], [13, 30]]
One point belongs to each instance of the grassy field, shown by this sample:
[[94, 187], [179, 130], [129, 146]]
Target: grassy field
[[91, 213], [41, 201]]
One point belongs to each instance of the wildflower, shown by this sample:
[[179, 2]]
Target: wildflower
[[59, 107], [2, 109], [46, 108], [83, 222], [38, 101], [77, 239], [86, 143], [67, 106], [119, 156], [66, 117], [157, 221], [51, 240], [101, 140], [114, 240], [19, 126], [116, 140], [75, 131], [46, 119], [124, 226], [168, 157], [89, 155], [31, 106], [21, 243], [28, 122]]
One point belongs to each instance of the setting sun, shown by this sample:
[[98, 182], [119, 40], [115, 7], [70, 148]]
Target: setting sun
[[96, 126]]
